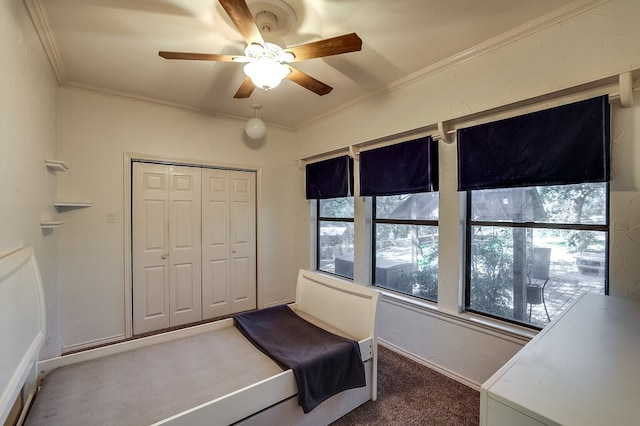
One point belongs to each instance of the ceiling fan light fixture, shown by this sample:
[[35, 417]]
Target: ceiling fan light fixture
[[261, 24], [265, 72]]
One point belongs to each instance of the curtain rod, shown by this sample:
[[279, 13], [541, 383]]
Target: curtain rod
[[618, 87]]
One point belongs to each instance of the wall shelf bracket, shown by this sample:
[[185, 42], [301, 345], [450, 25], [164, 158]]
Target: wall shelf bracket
[[626, 89], [354, 152], [72, 204], [59, 166], [444, 132], [50, 224]]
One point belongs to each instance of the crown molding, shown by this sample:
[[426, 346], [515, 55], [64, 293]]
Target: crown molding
[[40, 21], [154, 101], [38, 15]]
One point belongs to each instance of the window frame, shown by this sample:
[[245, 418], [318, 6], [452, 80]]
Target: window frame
[[469, 224], [319, 219], [386, 221]]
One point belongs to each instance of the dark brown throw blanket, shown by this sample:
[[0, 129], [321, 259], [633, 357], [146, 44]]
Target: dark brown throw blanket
[[323, 363]]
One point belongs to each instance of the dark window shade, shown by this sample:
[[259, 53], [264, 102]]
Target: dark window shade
[[559, 146], [330, 178], [403, 168]]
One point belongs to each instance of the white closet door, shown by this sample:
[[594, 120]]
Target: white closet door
[[150, 247], [166, 246], [185, 245], [215, 243], [242, 202], [229, 242]]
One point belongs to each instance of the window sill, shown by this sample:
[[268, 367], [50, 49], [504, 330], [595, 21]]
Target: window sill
[[405, 299], [505, 330]]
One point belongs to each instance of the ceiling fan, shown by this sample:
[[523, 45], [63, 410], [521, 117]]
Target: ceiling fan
[[266, 60]]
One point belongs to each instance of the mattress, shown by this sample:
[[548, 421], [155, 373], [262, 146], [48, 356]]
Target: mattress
[[146, 385]]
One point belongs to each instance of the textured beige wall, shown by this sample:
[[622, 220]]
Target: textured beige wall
[[596, 44], [624, 236], [95, 133], [28, 135]]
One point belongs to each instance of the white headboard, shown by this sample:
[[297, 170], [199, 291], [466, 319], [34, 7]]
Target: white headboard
[[345, 305], [22, 324]]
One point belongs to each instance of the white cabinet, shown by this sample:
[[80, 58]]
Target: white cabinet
[[582, 369]]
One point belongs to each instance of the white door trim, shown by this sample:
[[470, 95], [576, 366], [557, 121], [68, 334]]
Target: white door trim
[[128, 160]]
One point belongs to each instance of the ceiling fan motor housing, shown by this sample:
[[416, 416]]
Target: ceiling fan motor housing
[[273, 16], [266, 21]]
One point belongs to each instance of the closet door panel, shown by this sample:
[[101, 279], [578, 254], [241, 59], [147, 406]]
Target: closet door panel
[[215, 243], [243, 290], [150, 241], [186, 244], [155, 300], [243, 240], [218, 295], [183, 293]]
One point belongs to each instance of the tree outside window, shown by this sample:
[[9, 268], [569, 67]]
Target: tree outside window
[[533, 250], [405, 234], [335, 236]]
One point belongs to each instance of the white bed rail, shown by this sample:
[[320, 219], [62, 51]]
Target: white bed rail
[[22, 326], [346, 306]]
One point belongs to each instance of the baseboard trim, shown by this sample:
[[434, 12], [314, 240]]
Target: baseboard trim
[[450, 374], [93, 343]]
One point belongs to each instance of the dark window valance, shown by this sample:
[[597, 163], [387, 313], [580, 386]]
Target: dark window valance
[[330, 178], [403, 168], [564, 145]]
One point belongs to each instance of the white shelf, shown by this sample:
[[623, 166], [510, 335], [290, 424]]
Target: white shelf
[[72, 203], [49, 224], [56, 165]]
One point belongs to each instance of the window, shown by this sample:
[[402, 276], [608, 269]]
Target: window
[[533, 250], [330, 182], [402, 180], [537, 210], [405, 241], [335, 236]]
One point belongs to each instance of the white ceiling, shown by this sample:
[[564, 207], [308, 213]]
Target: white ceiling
[[112, 46]]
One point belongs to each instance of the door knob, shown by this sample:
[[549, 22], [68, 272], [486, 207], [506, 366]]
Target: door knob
[[233, 250], [164, 256]]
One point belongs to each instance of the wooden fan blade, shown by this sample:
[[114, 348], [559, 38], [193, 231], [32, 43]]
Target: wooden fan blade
[[245, 90], [327, 47], [308, 82], [198, 56], [244, 21]]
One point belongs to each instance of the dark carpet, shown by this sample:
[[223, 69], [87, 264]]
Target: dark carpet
[[412, 394]]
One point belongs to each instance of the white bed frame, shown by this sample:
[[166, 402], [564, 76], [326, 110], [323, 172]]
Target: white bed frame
[[340, 304]]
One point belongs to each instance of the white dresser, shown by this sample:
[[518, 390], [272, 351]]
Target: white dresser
[[582, 369]]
